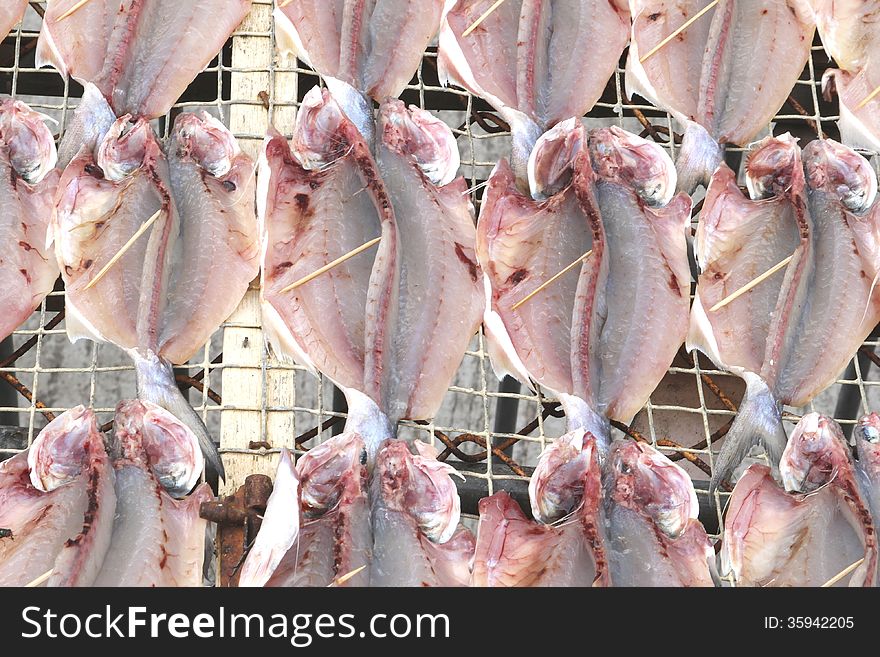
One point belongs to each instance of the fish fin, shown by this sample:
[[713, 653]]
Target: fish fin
[[91, 121], [759, 422], [155, 384], [699, 157], [502, 354]]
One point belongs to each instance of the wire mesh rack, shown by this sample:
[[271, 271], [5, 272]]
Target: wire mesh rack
[[491, 430]]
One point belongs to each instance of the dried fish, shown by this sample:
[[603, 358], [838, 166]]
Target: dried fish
[[362, 49], [157, 540], [867, 437], [11, 14], [725, 77], [785, 336], [158, 296], [58, 501], [609, 195], [520, 59], [809, 531], [27, 184]]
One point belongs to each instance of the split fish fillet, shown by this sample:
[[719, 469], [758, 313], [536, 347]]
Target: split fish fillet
[[785, 336], [28, 183], [850, 31], [521, 59], [141, 54], [179, 280], [402, 323], [609, 193], [805, 533], [58, 503], [629, 522], [11, 14], [724, 77], [365, 48], [157, 540]]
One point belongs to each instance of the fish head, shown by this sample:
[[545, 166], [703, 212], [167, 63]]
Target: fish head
[[150, 437], [318, 138], [627, 159], [641, 478], [839, 170], [556, 488], [327, 471], [420, 486], [421, 137], [63, 447], [772, 167], [814, 454], [26, 141], [205, 140], [551, 163], [867, 437], [125, 147]]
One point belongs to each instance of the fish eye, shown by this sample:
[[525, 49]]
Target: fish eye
[[363, 457], [868, 433]]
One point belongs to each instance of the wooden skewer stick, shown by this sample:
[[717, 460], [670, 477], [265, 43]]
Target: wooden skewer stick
[[72, 10], [331, 265], [843, 573], [550, 280], [39, 580], [125, 247], [284, 3], [344, 578], [473, 26], [681, 29], [867, 99], [748, 286]]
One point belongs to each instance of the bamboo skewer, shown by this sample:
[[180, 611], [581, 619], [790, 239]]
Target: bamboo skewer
[[284, 3], [125, 247], [72, 10], [331, 265], [473, 26], [550, 280], [843, 573], [748, 286], [867, 99], [342, 579], [39, 580], [681, 29]]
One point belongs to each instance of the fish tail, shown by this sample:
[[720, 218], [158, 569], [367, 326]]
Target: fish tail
[[155, 383], [699, 157], [759, 422]]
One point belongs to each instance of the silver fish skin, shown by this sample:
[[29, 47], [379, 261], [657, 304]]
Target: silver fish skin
[[809, 531], [58, 502], [157, 540], [417, 538], [520, 60], [724, 77], [513, 551], [365, 49], [609, 193], [164, 297], [11, 14], [654, 537], [867, 437], [132, 53], [29, 182]]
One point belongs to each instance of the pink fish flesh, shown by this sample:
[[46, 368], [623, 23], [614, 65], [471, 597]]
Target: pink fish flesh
[[783, 336], [520, 59], [157, 540], [58, 503], [809, 531], [609, 193], [11, 14], [28, 183], [172, 288], [133, 49], [723, 78], [364, 48]]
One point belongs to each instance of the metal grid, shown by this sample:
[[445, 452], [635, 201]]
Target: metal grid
[[702, 396]]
